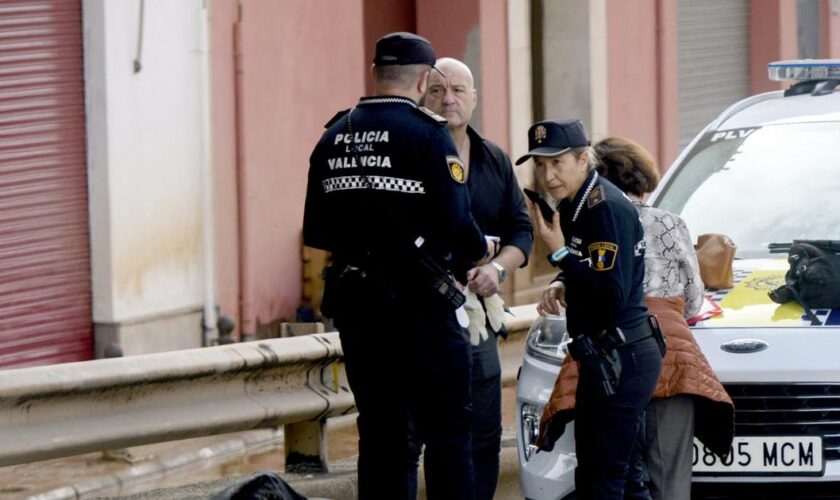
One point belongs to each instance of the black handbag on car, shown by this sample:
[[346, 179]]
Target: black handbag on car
[[813, 279]]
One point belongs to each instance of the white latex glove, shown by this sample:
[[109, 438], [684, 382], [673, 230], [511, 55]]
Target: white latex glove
[[495, 306], [478, 320]]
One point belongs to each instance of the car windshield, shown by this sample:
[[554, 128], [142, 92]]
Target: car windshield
[[765, 185]]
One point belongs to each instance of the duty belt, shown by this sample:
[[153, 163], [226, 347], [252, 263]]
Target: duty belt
[[636, 333]]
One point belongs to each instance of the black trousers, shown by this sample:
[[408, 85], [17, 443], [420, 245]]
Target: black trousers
[[609, 429], [486, 434], [409, 370]]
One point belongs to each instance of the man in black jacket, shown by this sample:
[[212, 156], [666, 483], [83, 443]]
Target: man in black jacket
[[499, 209]]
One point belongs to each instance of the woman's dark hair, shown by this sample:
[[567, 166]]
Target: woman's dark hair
[[627, 164]]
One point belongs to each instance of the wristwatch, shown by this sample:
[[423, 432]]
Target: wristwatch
[[501, 269]]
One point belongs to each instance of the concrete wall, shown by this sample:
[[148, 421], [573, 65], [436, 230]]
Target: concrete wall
[[566, 60], [144, 170], [598, 42], [519, 83], [145, 157]]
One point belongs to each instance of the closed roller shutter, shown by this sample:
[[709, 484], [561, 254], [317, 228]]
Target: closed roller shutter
[[713, 63], [45, 295]]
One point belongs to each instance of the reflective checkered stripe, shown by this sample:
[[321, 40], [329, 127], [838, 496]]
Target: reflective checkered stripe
[[378, 182]]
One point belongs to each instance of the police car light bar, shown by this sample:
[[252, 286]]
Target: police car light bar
[[804, 70]]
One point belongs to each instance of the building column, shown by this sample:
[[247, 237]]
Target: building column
[[667, 84], [773, 37]]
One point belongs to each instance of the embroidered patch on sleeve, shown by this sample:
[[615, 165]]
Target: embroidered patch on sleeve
[[456, 169], [602, 255]]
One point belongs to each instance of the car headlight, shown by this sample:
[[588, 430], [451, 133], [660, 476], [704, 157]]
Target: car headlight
[[530, 419], [547, 339]]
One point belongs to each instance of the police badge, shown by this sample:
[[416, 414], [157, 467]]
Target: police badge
[[456, 169], [602, 255], [540, 134]]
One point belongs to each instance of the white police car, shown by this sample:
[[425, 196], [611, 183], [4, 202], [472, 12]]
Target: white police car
[[765, 172]]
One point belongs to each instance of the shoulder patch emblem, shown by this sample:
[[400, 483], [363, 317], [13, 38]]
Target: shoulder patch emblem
[[596, 196], [456, 169], [431, 114], [337, 117], [602, 255]]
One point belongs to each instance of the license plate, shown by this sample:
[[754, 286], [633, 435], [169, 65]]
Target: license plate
[[795, 455]]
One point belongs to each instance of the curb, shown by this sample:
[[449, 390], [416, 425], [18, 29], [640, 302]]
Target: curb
[[339, 484]]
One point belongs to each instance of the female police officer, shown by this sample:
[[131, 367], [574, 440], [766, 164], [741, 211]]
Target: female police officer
[[597, 242]]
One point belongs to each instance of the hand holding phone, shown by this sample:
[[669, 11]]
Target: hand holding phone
[[545, 209]]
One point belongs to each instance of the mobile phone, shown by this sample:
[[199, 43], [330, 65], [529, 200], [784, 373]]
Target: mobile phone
[[545, 209]]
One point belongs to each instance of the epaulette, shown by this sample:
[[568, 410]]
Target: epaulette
[[337, 117], [431, 114], [596, 197]]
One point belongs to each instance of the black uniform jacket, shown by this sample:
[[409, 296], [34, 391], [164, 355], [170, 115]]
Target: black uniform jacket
[[497, 201], [407, 157], [605, 271], [499, 208]]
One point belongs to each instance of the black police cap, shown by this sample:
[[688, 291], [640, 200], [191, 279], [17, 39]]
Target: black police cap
[[553, 138], [402, 48]]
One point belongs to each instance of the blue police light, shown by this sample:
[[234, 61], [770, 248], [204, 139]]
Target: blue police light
[[805, 69]]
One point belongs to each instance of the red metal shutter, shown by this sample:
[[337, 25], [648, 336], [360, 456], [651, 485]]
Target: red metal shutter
[[45, 290]]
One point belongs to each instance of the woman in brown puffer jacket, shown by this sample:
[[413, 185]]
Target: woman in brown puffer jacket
[[689, 399]]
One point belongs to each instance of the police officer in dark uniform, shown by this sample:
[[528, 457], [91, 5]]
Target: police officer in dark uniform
[[597, 242], [386, 196]]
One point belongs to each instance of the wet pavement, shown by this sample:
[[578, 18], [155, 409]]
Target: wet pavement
[[138, 469]]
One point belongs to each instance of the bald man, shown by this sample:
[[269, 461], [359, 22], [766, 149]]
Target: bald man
[[499, 209]]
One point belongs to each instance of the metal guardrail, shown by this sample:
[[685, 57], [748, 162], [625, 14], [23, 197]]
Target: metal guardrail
[[61, 410]]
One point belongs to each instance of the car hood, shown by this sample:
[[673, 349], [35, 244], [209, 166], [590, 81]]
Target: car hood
[[749, 338]]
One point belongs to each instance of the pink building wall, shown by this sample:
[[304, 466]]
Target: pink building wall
[[447, 25], [382, 17], [773, 37], [222, 18], [301, 62], [632, 72], [495, 91]]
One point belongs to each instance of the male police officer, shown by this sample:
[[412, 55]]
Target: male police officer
[[386, 191]]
